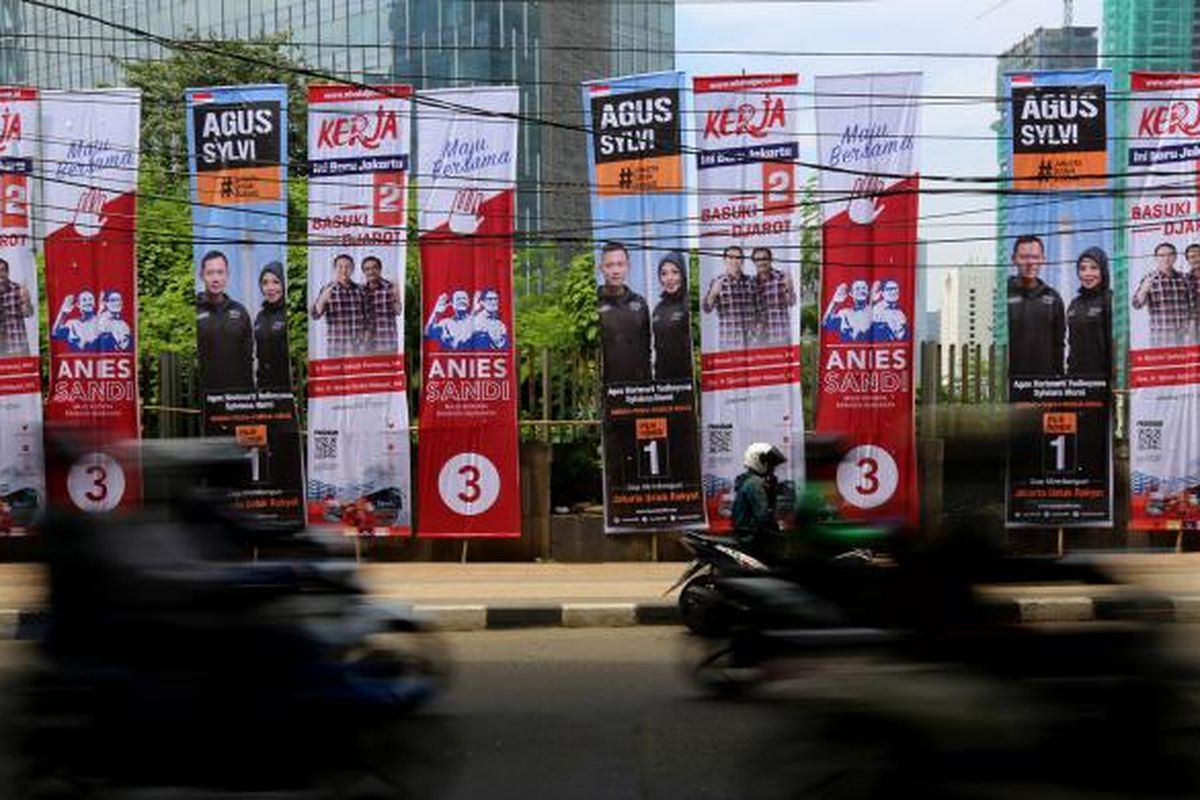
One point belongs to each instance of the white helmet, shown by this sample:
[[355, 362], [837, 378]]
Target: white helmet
[[762, 457]]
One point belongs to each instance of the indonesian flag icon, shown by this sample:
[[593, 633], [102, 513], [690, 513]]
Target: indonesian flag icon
[[1022, 80]]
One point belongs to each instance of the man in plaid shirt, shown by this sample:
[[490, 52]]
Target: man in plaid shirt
[[734, 296], [1191, 254], [343, 304], [776, 294], [1170, 298], [383, 306], [15, 308]]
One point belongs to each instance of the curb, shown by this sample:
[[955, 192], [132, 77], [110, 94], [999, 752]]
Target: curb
[[30, 624]]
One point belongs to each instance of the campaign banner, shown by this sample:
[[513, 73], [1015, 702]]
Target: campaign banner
[[1162, 156], [358, 443], [1059, 311], [639, 215], [90, 143], [237, 161], [22, 480], [467, 463], [748, 145], [866, 128]]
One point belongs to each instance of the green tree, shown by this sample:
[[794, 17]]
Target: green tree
[[810, 256]]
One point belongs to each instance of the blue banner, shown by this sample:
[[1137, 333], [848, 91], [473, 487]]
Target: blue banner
[[639, 219], [237, 161], [1058, 225]]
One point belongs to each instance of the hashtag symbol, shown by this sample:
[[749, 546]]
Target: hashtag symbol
[[1045, 171], [227, 187], [625, 180]]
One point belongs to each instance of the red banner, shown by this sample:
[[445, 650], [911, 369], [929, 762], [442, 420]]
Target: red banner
[[868, 285], [91, 289], [468, 451]]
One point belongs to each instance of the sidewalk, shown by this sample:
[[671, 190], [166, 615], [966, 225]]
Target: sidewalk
[[478, 596]]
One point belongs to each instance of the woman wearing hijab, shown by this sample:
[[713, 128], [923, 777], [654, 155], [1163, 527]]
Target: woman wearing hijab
[[270, 331], [1089, 317], [670, 322]]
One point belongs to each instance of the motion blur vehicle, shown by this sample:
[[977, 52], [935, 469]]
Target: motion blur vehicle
[[929, 690], [169, 659]]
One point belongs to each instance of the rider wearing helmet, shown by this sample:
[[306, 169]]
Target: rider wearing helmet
[[756, 491]]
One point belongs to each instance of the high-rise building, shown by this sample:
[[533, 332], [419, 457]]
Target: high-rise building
[[547, 47], [966, 307], [1045, 48], [1148, 34], [12, 50]]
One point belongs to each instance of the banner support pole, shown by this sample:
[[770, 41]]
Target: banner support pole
[[1060, 541]]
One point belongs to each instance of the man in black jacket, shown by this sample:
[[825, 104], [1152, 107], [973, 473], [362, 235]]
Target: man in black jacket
[[624, 320], [225, 340], [1036, 321]]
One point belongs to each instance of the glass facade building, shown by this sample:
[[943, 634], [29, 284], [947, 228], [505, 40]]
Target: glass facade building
[[547, 47], [1148, 34]]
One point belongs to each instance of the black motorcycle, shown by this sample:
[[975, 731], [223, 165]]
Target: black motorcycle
[[169, 659]]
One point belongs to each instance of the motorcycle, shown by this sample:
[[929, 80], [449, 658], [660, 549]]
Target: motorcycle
[[837, 598], [168, 658], [832, 549]]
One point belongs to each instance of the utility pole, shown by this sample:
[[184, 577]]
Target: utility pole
[[1068, 13]]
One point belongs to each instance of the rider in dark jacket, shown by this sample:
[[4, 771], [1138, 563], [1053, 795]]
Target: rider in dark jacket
[[756, 493], [1089, 318]]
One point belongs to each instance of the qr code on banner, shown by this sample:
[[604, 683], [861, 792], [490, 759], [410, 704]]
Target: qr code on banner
[[1149, 437], [325, 445], [720, 438]]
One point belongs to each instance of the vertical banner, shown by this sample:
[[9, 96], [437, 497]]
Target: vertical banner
[[748, 146], [468, 456], [90, 157], [1059, 236], [237, 160], [358, 443], [866, 126], [1163, 162], [639, 215], [22, 481]]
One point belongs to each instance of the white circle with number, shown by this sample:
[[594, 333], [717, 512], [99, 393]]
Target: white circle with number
[[469, 484], [96, 482], [867, 476]]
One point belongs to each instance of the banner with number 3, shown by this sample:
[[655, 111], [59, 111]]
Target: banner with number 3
[[467, 162]]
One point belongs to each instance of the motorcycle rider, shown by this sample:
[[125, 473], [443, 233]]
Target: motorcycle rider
[[756, 493]]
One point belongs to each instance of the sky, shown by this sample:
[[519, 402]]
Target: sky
[[957, 138]]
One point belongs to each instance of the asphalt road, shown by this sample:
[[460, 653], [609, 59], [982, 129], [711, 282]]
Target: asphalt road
[[606, 713], [572, 713]]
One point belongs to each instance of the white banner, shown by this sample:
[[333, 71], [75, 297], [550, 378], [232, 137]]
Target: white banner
[[22, 482], [746, 128], [1164, 300], [358, 442]]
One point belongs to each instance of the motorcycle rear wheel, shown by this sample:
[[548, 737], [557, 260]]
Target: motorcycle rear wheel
[[703, 609]]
